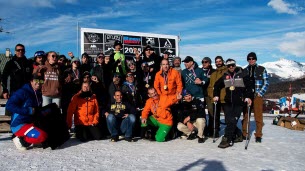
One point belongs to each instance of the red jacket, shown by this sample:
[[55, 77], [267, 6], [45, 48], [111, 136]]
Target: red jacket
[[86, 111]]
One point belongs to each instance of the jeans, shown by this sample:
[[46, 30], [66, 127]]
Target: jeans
[[48, 100], [115, 125]]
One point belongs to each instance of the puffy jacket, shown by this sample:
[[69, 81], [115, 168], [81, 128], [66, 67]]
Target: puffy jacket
[[21, 104], [174, 82], [85, 110], [217, 74], [189, 76], [160, 108]]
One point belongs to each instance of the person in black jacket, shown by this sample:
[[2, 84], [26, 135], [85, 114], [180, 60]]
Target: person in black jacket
[[238, 90], [19, 69], [192, 117], [120, 118]]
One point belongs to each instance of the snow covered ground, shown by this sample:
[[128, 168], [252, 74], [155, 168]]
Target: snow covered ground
[[281, 149]]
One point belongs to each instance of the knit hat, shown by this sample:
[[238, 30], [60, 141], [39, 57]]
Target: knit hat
[[185, 92], [218, 57], [117, 42], [148, 47], [251, 54], [207, 59], [75, 59]]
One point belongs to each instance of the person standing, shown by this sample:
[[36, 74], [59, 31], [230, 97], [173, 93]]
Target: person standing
[[19, 69], [220, 70], [177, 63], [260, 83], [238, 90]]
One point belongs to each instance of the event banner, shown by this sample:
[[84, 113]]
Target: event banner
[[94, 41]]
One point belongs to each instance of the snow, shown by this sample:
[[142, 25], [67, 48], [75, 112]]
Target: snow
[[281, 149], [286, 69]]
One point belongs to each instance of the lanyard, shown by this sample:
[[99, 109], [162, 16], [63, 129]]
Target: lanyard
[[232, 79], [75, 73], [146, 77], [165, 78]]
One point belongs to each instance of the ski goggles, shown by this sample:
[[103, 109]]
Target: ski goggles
[[38, 81]]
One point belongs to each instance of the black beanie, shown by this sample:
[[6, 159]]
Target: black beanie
[[219, 57], [251, 54], [207, 59]]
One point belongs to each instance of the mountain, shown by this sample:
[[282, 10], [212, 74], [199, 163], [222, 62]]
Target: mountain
[[284, 70]]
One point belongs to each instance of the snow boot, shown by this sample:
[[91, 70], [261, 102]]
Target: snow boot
[[224, 143]]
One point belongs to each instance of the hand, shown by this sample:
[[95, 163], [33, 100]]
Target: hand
[[179, 96], [215, 99], [125, 116], [68, 78], [151, 70], [106, 114], [190, 126], [249, 101], [143, 121], [94, 78], [197, 81], [6, 95], [186, 120], [70, 54]]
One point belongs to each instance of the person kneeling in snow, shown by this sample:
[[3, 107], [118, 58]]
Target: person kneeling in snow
[[192, 117], [85, 108], [161, 116], [24, 106]]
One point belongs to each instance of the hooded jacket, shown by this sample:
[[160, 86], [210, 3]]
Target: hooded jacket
[[21, 106], [53, 79], [85, 110]]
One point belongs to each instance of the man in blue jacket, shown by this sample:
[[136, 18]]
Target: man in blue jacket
[[22, 105]]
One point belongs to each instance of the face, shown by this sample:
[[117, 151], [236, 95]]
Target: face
[[188, 98], [148, 52], [100, 59], [118, 96], [205, 64], [152, 93], [19, 51], [52, 58], [116, 79], [75, 64], [131, 66], [86, 79], [164, 65], [188, 65], [39, 60], [145, 68], [165, 56], [251, 61], [84, 60], [107, 59], [36, 84], [117, 47], [177, 63], [231, 67], [85, 87], [130, 78], [60, 61], [218, 63]]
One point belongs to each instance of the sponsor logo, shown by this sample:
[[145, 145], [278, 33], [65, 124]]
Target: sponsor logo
[[168, 44], [150, 41], [93, 37]]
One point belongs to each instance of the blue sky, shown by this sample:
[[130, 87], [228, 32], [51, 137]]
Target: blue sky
[[231, 28]]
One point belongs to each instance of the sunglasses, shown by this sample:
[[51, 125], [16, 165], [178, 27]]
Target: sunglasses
[[129, 75], [38, 81], [87, 76], [60, 59], [38, 56], [251, 59], [20, 50], [204, 62], [232, 65], [54, 56], [100, 56]]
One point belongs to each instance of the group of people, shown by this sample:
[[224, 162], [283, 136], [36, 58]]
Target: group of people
[[147, 96]]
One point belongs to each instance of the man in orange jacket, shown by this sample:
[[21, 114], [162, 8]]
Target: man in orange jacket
[[84, 106], [161, 115]]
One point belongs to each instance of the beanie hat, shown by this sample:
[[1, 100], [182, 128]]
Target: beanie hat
[[251, 54], [207, 59], [185, 92], [117, 42], [218, 57]]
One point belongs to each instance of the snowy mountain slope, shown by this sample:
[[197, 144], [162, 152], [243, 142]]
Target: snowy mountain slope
[[285, 69]]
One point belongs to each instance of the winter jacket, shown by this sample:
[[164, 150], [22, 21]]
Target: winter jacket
[[85, 110], [131, 94], [216, 75], [98, 71], [240, 81], [174, 82], [194, 109], [116, 57], [207, 72], [53, 80], [21, 104], [260, 80], [154, 62], [160, 109], [189, 76], [120, 109], [20, 72]]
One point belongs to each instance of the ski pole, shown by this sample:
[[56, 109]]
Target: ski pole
[[214, 132], [248, 123]]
